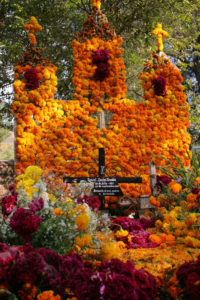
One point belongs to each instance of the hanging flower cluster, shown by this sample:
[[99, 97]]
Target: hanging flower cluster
[[100, 59], [32, 79], [159, 86]]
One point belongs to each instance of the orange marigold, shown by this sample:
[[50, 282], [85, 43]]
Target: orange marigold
[[48, 295], [175, 188]]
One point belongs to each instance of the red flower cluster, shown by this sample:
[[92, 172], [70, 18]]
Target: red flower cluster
[[188, 275], [9, 202], [138, 237], [159, 85], [24, 222], [162, 181], [195, 191], [32, 79], [48, 270], [100, 59], [131, 224], [36, 205], [93, 202]]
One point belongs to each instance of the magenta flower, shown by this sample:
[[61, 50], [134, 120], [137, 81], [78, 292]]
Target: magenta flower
[[36, 205], [195, 191], [8, 203], [93, 202], [24, 222], [159, 85], [32, 79], [100, 59], [188, 275]]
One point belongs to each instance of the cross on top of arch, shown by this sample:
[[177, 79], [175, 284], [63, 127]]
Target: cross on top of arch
[[96, 3], [160, 33]]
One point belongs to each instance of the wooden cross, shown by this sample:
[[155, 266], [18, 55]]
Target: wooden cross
[[104, 186], [160, 35]]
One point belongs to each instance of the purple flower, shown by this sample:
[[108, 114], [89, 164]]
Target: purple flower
[[36, 205], [159, 85]]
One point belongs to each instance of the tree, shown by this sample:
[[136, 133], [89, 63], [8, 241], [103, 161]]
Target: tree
[[133, 20]]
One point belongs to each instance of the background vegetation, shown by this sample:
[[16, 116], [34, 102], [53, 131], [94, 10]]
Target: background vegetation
[[133, 20]]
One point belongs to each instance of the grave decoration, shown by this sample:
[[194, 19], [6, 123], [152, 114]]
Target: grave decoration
[[104, 186], [55, 243], [64, 136]]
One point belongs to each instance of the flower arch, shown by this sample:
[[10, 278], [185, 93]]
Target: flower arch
[[64, 137]]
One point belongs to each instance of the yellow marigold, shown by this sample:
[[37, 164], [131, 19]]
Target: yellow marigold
[[82, 221], [84, 240], [191, 219], [52, 198], [175, 188], [158, 224], [177, 224], [192, 242], [48, 295], [112, 250], [169, 218], [166, 227], [121, 233], [178, 209], [33, 172]]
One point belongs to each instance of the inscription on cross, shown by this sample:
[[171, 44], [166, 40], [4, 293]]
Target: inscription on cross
[[104, 186]]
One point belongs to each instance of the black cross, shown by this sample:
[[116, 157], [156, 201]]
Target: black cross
[[104, 186]]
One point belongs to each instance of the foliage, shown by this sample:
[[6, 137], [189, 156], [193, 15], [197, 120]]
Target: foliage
[[133, 20], [178, 172]]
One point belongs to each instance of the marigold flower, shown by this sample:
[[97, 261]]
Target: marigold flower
[[84, 240], [48, 295], [82, 221], [175, 188]]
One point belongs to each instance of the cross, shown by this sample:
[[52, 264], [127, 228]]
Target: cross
[[160, 35], [104, 186], [96, 3]]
